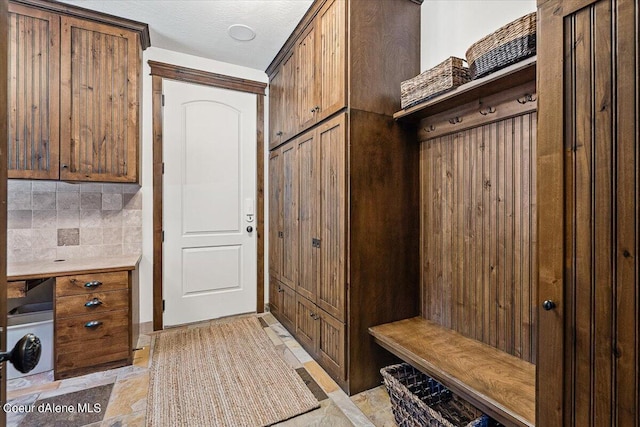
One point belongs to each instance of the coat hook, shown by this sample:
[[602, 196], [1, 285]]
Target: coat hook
[[489, 110], [526, 98], [455, 120], [431, 128]]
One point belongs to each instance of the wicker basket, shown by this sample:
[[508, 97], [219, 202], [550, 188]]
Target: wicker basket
[[445, 76], [418, 400], [508, 45]]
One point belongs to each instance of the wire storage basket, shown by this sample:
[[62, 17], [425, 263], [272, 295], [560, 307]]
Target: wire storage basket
[[444, 77], [418, 400], [509, 44]]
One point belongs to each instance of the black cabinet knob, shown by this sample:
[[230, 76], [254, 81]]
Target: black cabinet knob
[[249, 229], [548, 305]]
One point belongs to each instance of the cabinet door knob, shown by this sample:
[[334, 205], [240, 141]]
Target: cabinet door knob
[[548, 305], [93, 324], [279, 133], [93, 303], [249, 229], [64, 166], [92, 284]]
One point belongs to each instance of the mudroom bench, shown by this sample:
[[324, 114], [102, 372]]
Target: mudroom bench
[[497, 383]]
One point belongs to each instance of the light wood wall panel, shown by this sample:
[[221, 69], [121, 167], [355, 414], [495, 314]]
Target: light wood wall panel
[[478, 233], [33, 93]]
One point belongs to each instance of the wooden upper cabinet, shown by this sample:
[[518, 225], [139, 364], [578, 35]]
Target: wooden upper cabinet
[[331, 59], [310, 82], [34, 52], [100, 69], [74, 93]]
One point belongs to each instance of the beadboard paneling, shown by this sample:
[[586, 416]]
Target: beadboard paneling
[[478, 233]]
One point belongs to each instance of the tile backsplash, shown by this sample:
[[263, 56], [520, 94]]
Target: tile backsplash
[[57, 220]]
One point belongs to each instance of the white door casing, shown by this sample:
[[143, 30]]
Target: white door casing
[[209, 186]]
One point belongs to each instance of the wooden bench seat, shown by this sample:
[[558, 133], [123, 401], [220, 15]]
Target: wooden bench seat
[[499, 384]]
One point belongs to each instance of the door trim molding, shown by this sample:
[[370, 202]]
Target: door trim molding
[[160, 71], [191, 75]]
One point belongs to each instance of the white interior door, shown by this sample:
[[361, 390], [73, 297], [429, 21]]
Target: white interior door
[[209, 202]]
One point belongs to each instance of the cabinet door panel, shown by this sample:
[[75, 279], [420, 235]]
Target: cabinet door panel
[[276, 109], [289, 122], [306, 324], [275, 296], [290, 215], [100, 105], [305, 79], [309, 195], [331, 59], [275, 214], [34, 90], [288, 307], [331, 345], [333, 216]]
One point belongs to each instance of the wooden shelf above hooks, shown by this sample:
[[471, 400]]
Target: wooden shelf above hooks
[[507, 78]]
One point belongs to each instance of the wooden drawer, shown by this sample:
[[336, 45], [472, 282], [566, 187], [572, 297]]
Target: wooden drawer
[[93, 303], [83, 354], [89, 283], [112, 324]]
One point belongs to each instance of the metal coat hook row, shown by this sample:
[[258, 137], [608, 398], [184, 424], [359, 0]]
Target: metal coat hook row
[[527, 98], [486, 111], [431, 128], [455, 120]]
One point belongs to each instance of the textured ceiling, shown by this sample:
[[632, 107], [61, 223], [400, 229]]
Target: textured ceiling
[[199, 27]]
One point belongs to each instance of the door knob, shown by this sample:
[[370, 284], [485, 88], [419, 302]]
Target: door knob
[[25, 354], [249, 229], [548, 305]]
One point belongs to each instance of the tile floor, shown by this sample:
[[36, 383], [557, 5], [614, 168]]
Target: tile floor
[[127, 405]]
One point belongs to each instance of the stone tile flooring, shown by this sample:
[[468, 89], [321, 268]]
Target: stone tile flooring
[[127, 405]]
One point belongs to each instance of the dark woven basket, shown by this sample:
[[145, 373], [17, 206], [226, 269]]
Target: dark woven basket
[[447, 75], [510, 44], [418, 400]]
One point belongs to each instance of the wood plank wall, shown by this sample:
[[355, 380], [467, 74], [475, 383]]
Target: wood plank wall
[[478, 229], [602, 334]]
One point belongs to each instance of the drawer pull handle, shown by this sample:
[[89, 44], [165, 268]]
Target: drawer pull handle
[[93, 303], [92, 284], [93, 324]]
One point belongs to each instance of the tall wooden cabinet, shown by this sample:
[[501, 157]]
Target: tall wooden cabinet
[[343, 186], [588, 366], [75, 93]]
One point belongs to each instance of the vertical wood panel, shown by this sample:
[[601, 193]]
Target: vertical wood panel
[[100, 74], [33, 93], [275, 223], [626, 248], [333, 214], [290, 215], [305, 75], [599, 108], [4, 97], [332, 58], [309, 193], [477, 233]]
